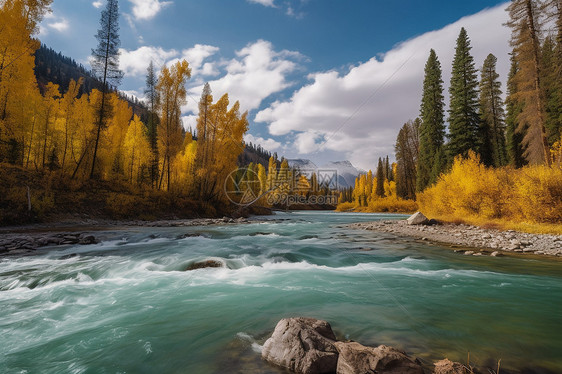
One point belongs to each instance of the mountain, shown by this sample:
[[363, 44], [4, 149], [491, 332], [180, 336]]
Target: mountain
[[345, 170], [52, 66]]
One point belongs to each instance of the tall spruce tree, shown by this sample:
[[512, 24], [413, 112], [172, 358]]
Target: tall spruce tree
[[105, 65], [380, 179], [152, 100], [432, 128], [551, 81], [463, 111], [407, 149], [514, 133], [525, 24], [492, 116]]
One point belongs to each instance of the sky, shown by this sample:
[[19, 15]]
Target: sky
[[325, 80]]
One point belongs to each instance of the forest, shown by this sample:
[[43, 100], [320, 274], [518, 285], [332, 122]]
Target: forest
[[496, 161], [70, 141]]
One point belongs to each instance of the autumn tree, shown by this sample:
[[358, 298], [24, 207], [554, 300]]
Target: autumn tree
[[492, 116], [432, 128], [524, 22], [172, 93], [463, 109], [136, 151], [105, 64]]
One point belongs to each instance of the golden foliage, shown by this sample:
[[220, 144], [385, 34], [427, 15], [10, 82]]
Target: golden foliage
[[471, 191]]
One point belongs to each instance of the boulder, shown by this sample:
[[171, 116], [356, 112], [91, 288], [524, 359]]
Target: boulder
[[355, 358], [417, 219], [448, 367], [302, 345], [204, 264]]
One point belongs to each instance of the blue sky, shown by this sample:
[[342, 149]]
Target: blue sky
[[322, 79]]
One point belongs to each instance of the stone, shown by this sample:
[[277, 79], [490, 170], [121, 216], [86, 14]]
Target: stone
[[302, 345], [448, 367], [355, 358], [204, 264], [496, 254], [417, 219], [87, 240], [468, 253]]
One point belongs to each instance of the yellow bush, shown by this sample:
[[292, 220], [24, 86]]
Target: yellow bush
[[473, 192]]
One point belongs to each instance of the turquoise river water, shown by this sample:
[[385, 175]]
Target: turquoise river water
[[126, 305]]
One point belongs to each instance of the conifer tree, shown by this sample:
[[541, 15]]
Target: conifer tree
[[514, 132], [492, 116], [524, 22], [432, 128], [380, 179], [551, 81], [152, 100], [105, 64], [463, 111], [407, 151]]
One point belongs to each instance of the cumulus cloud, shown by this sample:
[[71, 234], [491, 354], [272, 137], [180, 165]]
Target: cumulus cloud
[[268, 144], [197, 56], [60, 26], [136, 62], [257, 72], [147, 9], [97, 4], [359, 112]]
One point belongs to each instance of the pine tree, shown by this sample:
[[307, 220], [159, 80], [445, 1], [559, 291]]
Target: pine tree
[[492, 116], [524, 22], [105, 64], [463, 111], [514, 132], [152, 99], [380, 179], [551, 81], [432, 129], [407, 151]]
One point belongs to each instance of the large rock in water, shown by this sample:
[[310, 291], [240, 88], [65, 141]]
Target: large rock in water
[[417, 219], [448, 367], [355, 358], [302, 345]]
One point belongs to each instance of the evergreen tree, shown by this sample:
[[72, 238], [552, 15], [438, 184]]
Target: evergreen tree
[[380, 180], [105, 64], [152, 100], [492, 115], [432, 129], [514, 133], [463, 111], [407, 150], [551, 81], [524, 22]]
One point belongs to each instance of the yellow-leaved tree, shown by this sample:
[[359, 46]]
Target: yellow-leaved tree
[[136, 152]]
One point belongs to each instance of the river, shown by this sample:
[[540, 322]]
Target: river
[[126, 305]]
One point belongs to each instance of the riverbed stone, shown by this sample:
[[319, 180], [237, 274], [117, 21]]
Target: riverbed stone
[[355, 358], [302, 345], [417, 219], [204, 264], [448, 367]]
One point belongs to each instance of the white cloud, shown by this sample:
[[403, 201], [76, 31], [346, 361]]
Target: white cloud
[[136, 62], [268, 144], [196, 57], [147, 9], [255, 74], [269, 3], [97, 4], [360, 111], [60, 26]]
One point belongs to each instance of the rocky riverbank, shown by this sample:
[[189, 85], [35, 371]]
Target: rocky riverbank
[[473, 240], [25, 240]]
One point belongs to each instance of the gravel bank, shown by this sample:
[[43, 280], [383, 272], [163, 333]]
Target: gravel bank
[[480, 241], [25, 240]]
